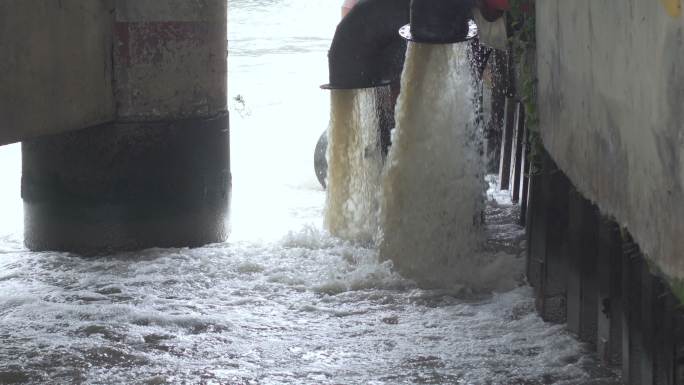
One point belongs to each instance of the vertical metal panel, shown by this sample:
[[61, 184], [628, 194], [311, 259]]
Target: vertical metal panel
[[664, 340], [507, 145], [517, 153], [555, 264]]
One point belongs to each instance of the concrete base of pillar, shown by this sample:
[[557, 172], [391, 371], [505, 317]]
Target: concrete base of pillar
[[128, 186]]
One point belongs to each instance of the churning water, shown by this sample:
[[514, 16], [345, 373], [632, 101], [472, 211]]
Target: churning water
[[282, 302], [434, 190], [354, 164]]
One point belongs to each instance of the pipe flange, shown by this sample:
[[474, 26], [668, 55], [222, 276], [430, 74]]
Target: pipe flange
[[405, 32]]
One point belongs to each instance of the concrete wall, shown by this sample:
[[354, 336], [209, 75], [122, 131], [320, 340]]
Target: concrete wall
[[611, 95], [168, 64], [71, 64], [56, 66]]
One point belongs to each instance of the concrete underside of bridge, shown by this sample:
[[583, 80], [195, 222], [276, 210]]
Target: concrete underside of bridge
[[121, 109]]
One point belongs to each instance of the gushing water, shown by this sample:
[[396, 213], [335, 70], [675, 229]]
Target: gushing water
[[434, 185], [354, 164], [425, 209]]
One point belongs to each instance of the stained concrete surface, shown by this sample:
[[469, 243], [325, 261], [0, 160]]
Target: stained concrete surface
[[56, 66], [170, 59], [121, 108], [611, 86], [72, 64]]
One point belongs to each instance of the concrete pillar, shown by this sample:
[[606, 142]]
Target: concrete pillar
[[160, 174], [56, 72]]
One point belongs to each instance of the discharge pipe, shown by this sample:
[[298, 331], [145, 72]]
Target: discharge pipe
[[440, 22], [366, 51]]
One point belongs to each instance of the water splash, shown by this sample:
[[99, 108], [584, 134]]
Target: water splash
[[433, 187], [354, 164]]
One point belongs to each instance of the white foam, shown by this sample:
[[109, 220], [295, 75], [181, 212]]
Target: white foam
[[309, 237], [433, 187], [354, 165]]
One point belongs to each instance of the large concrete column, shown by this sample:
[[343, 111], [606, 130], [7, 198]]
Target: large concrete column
[[56, 71], [160, 174]]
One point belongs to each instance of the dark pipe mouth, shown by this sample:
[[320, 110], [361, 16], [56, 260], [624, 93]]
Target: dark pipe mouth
[[381, 83], [366, 51], [472, 32], [440, 22]]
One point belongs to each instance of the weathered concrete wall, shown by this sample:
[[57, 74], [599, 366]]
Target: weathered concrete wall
[[71, 64], [56, 66], [611, 92], [168, 64], [159, 174]]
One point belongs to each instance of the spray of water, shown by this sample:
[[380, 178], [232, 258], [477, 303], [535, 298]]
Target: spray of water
[[424, 209], [433, 186], [354, 165]]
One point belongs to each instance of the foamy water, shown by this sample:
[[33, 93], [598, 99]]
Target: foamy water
[[307, 308], [282, 302], [433, 190], [354, 164]]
